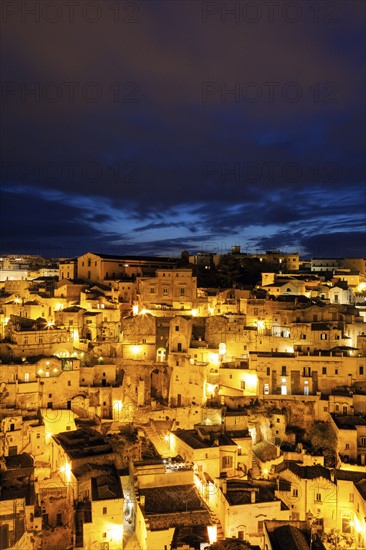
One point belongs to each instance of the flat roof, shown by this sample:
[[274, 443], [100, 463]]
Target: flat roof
[[209, 439], [174, 506], [346, 422], [84, 442]]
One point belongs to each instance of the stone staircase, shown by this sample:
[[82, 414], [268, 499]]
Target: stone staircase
[[256, 470], [155, 432], [216, 520], [79, 521]]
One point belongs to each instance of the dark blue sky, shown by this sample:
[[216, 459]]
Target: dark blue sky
[[153, 127]]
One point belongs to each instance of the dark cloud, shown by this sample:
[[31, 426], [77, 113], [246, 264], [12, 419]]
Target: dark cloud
[[225, 128]]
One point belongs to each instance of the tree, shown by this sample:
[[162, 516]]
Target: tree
[[228, 271], [323, 439]]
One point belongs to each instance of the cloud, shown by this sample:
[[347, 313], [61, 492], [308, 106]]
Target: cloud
[[175, 142]]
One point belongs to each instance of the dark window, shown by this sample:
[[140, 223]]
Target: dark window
[[306, 371]]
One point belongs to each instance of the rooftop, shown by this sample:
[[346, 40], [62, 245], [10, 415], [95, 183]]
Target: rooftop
[[84, 442], [239, 492], [106, 487], [347, 422], [304, 472], [174, 506], [171, 499], [205, 439]]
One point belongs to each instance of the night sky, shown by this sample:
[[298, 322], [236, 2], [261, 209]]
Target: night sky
[[151, 127]]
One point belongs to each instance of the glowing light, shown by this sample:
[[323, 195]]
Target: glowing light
[[166, 438], [194, 312], [214, 358], [211, 310], [135, 309], [75, 334], [283, 380], [50, 323], [135, 349], [212, 533], [265, 472], [66, 470], [251, 382], [117, 408], [361, 287], [210, 389], [222, 348], [144, 311], [55, 370], [358, 525], [116, 533], [58, 307], [48, 436], [40, 371], [260, 324]]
